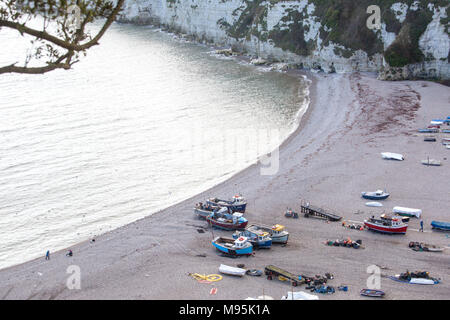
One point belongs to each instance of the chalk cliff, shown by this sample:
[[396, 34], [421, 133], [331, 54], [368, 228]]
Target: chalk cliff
[[412, 40]]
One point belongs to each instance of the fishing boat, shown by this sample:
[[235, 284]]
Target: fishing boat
[[392, 156], [445, 226], [227, 221], [377, 195], [258, 238], [204, 210], [236, 204], [431, 162], [234, 247], [386, 224], [276, 232], [232, 271], [372, 293], [408, 212]]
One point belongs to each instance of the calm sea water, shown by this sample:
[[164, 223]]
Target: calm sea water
[[144, 121]]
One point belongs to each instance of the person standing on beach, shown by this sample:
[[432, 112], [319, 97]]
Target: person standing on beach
[[47, 255], [421, 225]]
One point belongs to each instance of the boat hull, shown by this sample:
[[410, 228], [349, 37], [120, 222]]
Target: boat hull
[[202, 213], [240, 252], [226, 225], [445, 226], [369, 197], [386, 229], [233, 207], [261, 244], [280, 239]]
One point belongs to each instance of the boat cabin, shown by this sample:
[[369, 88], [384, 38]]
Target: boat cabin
[[277, 229], [240, 242]]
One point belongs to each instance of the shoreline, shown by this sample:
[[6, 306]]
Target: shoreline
[[351, 118]]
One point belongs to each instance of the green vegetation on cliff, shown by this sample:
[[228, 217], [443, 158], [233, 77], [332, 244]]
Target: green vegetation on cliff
[[343, 22]]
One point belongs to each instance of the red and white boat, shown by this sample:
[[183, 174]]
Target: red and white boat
[[386, 224]]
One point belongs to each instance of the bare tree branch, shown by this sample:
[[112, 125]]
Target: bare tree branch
[[66, 39]]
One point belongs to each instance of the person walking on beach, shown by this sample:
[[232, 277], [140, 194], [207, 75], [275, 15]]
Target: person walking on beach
[[47, 255], [421, 226], [69, 254]]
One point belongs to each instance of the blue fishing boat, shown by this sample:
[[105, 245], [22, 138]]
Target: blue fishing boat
[[441, 225], [236, 204], [377, 195], [446, 131], [234, 247], [258, 238]]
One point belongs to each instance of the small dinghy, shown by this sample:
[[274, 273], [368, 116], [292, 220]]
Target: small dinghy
[[430, 139], [445, 226], [372, 293], [392, 156], [377, 195], [374, 204], [236, 204], [408, 212], [232, 271], [431, 162], [233, 247]]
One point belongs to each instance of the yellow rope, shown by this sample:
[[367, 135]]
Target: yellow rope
[[209, 277]]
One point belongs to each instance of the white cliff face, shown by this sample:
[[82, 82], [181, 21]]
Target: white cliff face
[[434, 42], [400, 10], [211, 20]]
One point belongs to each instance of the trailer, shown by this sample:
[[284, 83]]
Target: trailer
[[272, 271], [312, 211]]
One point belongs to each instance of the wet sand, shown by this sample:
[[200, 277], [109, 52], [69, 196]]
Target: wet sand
[[328, 161]]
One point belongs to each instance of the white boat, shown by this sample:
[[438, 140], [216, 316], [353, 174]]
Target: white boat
[[421, 281], [299, 295], [392, 156], [409, 212], [232, 270], [374, 204], [431, 162]]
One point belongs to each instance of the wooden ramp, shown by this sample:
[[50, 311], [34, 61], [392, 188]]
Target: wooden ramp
[[312, 211], [271, 271]]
